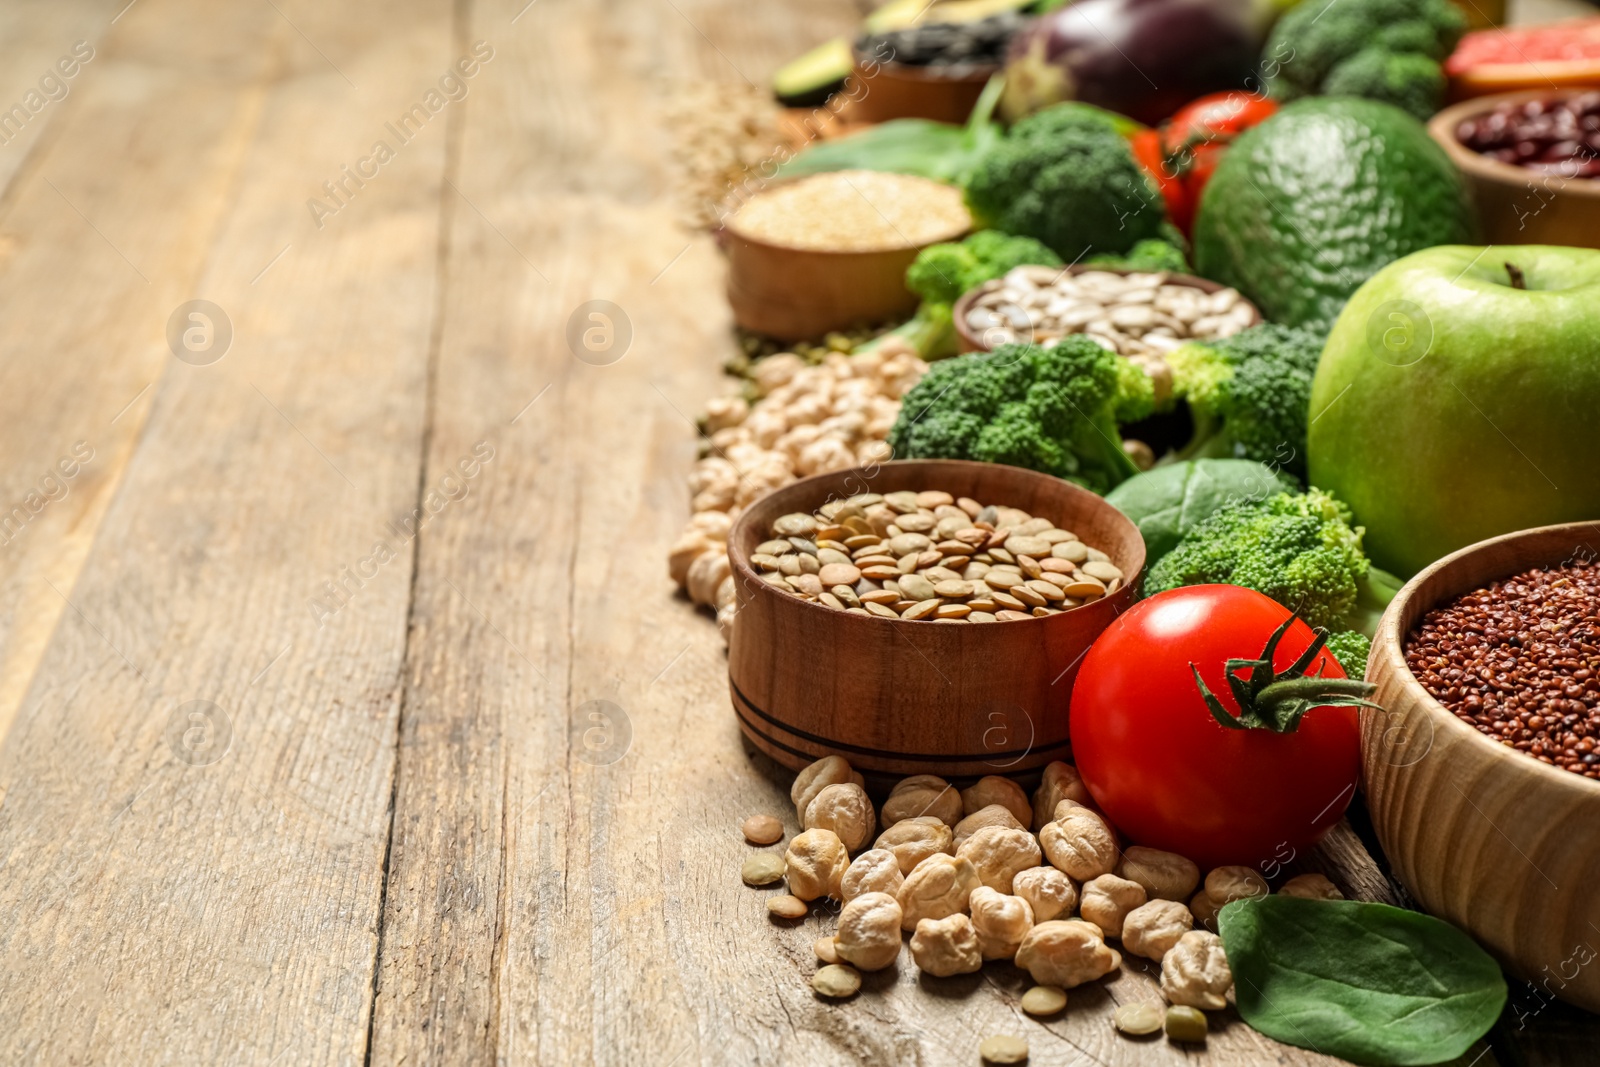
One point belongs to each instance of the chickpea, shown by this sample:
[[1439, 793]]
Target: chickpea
[[846, 810], [1060, 782], [684, 551], [992, 815], [1204, 912], [1001, 922], [815, 863], [1151, 929], [1000, 853], [947, 946], [939, 886], [1195, 972], [869, 931], [706, 573], [1107, 900], [1065, 954], [914, 840], [1311, 887], [1228, 884], [1164, 875], [1081, 844], [830, 770], [874, 871], [923, 794], [996, 790], [1049, 892]]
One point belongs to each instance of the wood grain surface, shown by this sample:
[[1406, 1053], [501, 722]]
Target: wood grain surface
[[348, 714]]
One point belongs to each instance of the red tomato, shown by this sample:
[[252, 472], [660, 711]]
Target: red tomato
[[1195, 139], [1167, 774], [1218, 117], [1147, 150]]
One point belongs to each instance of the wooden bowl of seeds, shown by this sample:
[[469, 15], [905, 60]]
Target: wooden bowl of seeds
[[922, 616], [1481, 771], [830, 251], [1138, 314]]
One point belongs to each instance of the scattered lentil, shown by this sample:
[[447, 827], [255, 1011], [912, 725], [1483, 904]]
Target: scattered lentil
[[1138, 1019], [763, 868], [1003, 1048], [785, 906], [1186, 1024], [837, 980], [1044, 1000], [827, 950], [762, 830], [1519, 660]]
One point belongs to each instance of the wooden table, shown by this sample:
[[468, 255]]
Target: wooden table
[[307, 593]]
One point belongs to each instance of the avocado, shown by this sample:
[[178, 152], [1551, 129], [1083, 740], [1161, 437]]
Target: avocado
[[1321, 196], [808, 80]]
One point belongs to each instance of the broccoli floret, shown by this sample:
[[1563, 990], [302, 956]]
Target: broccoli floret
[[1151, 254], [1408, 80], [1048, 409], [1297, 548], [1066, 176], [1136, 393], [1350, 648], [1315, 46], [1249, 395], [942, 272]]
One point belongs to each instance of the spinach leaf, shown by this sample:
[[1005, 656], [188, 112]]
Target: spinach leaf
[[1167, 502], [1368, 982], [928, 149]]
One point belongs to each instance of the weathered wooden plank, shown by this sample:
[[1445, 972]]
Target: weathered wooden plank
[[200, 884]]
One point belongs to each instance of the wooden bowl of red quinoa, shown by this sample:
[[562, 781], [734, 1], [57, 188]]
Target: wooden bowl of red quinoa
[[1482, 834]]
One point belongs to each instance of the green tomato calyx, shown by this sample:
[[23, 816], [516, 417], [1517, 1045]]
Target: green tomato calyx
[[1278, 700]]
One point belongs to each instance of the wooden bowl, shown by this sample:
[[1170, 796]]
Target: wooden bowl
[[901, 91], [898, 697], [796, 294], [1516, 205], [971, 341], [1489, 838]]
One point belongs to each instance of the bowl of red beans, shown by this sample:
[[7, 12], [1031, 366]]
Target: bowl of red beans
[[1533, 161], [1482, 767]]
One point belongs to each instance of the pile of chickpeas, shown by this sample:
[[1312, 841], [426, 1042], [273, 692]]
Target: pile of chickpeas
[[988, 873]]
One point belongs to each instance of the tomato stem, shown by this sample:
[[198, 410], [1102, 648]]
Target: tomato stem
[[1278, 700]]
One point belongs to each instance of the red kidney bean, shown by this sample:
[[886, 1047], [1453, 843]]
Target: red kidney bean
[[1559, 136]]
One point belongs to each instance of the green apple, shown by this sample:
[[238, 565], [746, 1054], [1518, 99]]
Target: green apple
[[1458, 398]]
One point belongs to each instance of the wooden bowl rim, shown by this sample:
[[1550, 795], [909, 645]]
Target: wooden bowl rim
[[1390, 645], [964, 303], [726, 232], [747, 574], [1443, 128], [925, 72]]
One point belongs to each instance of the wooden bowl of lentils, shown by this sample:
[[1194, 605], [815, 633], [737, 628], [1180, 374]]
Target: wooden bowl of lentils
[[922, 616], [1483, 769]]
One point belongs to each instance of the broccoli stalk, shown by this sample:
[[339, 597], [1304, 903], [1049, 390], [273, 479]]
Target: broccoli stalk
[[1249, 395], [1048, 409], [941, 273], [1300, 550]]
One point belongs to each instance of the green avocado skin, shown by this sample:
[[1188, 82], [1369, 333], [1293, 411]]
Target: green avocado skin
[[1449, 407], [1315, 200]]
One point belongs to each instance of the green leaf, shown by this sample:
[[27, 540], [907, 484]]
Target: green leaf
[[1368, 982], [1167, 502]]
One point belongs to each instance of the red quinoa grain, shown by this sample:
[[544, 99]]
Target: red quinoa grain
[[1520, 661]]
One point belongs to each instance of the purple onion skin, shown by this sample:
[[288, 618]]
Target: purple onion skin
[[1142, 58]]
